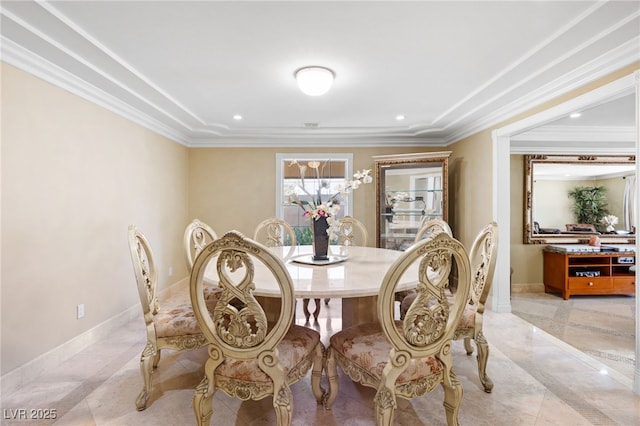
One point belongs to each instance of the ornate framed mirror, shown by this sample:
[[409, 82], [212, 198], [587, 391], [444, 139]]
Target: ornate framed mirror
[[410, 190], [554, 185]]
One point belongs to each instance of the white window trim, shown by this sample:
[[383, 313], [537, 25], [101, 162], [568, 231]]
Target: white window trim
[[281, 158]]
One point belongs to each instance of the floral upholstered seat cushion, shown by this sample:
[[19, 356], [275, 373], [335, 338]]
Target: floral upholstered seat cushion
[[294, 348], [180, 320], [468, 319], [367, 346]]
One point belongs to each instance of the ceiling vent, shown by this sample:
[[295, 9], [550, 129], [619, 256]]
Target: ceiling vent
[[310, 125]]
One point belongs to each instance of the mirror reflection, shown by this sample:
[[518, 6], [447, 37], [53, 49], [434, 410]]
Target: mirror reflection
[[411, 189], [570, 198]]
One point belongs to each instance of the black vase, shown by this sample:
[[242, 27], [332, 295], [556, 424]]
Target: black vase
[[388, 212], [320, 239]]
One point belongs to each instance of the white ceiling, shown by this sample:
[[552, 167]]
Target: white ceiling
[[452, 68]]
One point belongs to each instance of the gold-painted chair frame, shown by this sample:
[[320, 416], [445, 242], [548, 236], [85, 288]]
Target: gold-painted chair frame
[[427, 330], [147, 283], [196, 236], [271, 232], [243, 333], [433, 227], [352, 232], [483, 255]]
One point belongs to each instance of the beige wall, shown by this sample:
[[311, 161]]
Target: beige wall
[[615, 196], [526, 259], [553, 208], [470, 187], [74, 176], [234, 188]]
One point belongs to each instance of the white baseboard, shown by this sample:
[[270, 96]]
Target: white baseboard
[[31, 370], [527, 288]]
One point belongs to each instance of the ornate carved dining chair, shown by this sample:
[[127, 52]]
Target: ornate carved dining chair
[[351, 232], [430, 228], [250, 358], [411, 357], [170, 326], [275, 232], [483, 255], [196, 236]]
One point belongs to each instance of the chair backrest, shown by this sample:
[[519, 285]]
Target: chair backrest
[[483, 255], [239, 327], [196, 236], [274, 232], [145, 271], [351, 232], [430, 321], [432, 227]]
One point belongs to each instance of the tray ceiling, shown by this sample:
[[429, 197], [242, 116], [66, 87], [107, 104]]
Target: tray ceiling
[[184, 69]]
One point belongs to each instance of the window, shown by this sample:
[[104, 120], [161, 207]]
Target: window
[[334, 171]]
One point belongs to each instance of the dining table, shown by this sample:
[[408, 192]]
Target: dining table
[[353, 273]]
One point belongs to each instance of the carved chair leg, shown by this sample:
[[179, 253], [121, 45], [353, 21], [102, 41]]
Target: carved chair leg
[[283, 405], [316, 372], [385, 406], [331, 371], [483, 357], [385, 400], [282, 396], [202, 403], [305, 309], [452, 398], [316, 313], [156, 359], [146, 369], [452, 389], [203, 398], [467, 345]]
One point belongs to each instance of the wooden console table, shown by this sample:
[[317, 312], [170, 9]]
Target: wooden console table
[[589, 273]]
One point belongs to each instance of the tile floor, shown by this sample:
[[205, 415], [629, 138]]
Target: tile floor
[[600, 326], [539, 380]]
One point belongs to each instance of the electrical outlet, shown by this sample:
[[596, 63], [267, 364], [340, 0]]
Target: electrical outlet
[[170, 271], [80, 310]]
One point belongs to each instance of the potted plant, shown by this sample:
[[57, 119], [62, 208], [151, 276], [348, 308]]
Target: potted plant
[[590, 204]]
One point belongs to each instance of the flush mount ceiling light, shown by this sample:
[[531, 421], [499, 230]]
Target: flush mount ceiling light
[[314, 81]]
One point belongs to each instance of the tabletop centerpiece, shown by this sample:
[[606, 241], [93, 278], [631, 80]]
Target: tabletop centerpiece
[[322, 212]]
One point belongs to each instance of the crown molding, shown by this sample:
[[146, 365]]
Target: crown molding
[[21, 58], [336, 141], [605, 134], [614, 60], [187, 135], [573, 148]]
